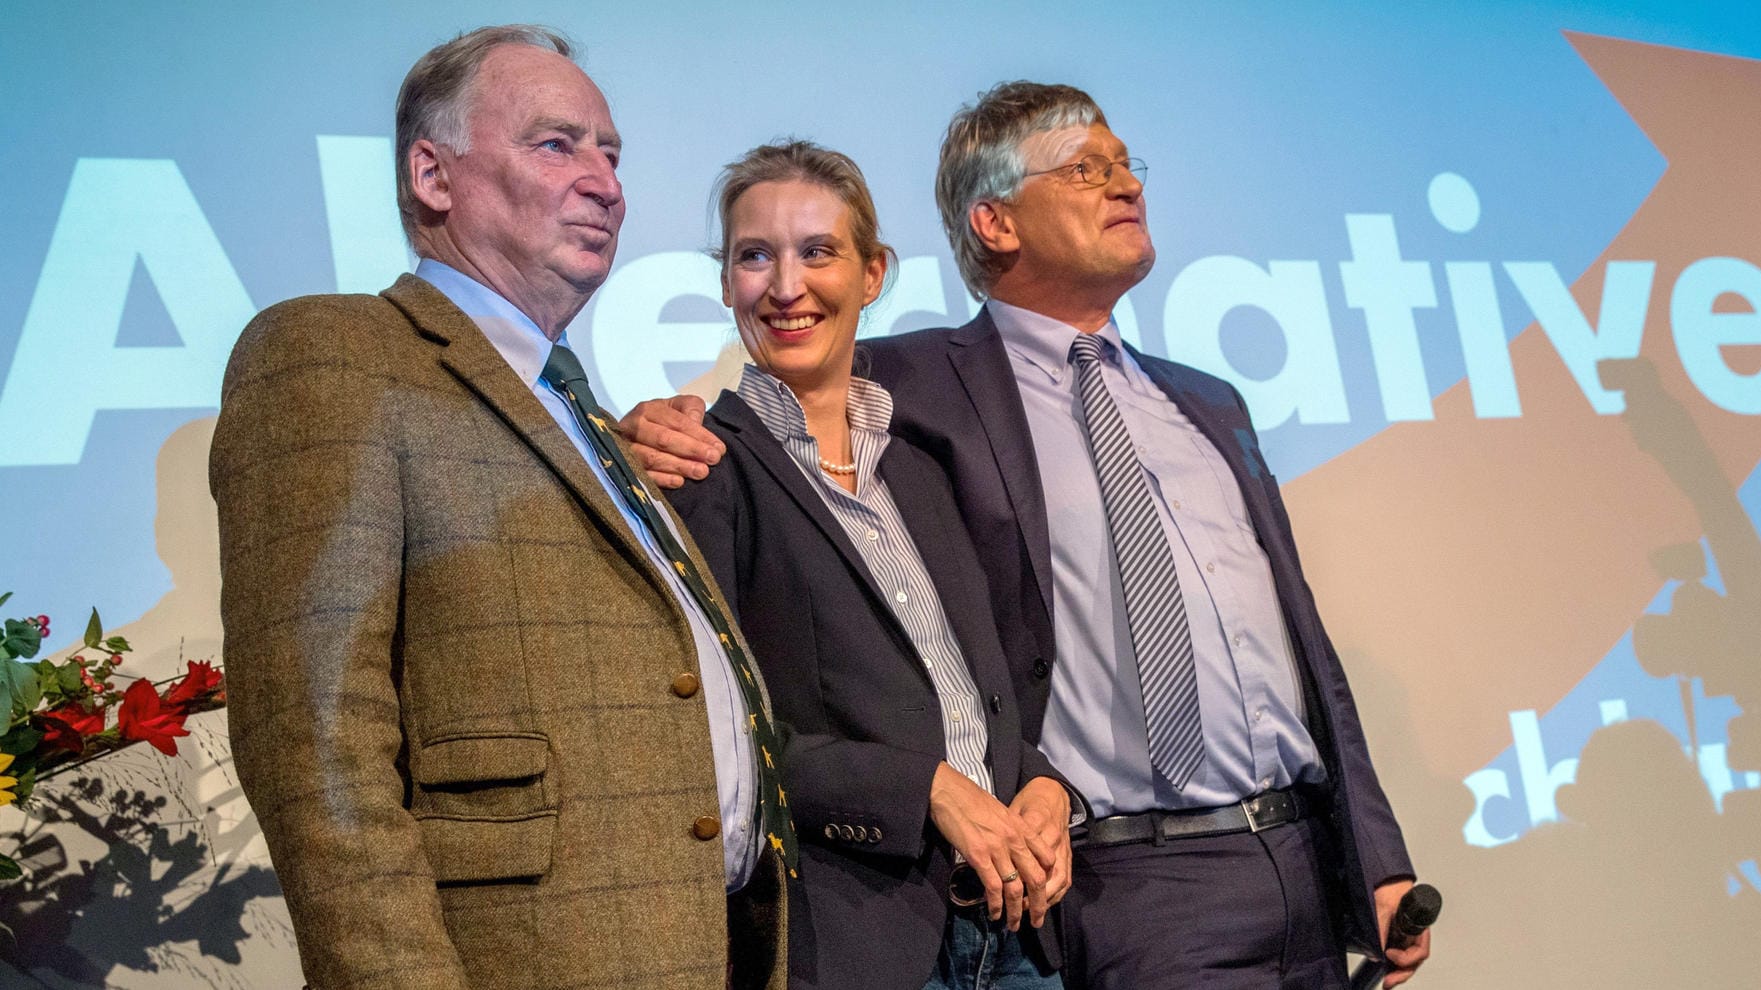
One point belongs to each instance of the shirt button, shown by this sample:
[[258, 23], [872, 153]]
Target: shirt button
[[872, 535], [1210, 568], [955, 716], [1259, 714], [928, 664], [899, 596], [1265, 783], [1237, 641], [1175, 503]]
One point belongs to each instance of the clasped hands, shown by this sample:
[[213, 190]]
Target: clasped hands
[[1021, 852]]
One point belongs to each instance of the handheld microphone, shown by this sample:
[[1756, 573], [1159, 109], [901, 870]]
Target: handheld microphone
[[1418, 910]]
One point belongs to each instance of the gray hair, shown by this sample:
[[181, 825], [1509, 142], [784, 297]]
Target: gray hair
[[981, 160], [436, 99]]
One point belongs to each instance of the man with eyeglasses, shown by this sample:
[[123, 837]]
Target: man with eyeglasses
[[1166, 651]]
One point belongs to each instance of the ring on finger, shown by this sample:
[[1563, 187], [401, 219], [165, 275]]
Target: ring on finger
[[1012, 875]]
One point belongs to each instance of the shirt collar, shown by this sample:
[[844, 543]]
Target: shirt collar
[[870, 407], [519, 341], [1043, 341]]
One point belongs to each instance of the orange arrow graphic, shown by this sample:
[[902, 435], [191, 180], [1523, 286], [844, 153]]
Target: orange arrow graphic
[[1487, 565]]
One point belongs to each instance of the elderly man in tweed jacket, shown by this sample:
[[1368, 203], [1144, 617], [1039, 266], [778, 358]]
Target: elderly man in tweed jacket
[[493, 738]]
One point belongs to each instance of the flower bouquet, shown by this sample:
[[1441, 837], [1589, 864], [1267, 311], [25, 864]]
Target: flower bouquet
[[62, 715]]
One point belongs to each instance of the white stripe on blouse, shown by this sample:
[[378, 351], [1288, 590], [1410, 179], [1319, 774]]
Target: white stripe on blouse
[[874, 526]]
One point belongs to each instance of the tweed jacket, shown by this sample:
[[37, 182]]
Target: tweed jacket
[[455, 681]]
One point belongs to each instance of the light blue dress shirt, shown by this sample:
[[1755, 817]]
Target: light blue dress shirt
[[1249, 697], [526, 350]]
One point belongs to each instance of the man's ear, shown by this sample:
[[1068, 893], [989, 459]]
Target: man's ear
[[428, 177], [994, 226]]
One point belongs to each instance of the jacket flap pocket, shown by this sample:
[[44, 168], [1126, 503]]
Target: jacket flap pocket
[[478, 758], [466, 850]]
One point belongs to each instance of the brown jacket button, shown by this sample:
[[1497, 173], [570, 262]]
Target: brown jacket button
[[706, 827], [686, 684]]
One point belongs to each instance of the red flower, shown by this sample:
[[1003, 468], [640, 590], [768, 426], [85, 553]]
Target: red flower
[[144, 717], [201, 681], [68, 726]]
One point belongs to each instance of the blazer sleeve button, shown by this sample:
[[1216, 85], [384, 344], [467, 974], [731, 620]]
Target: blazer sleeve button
[[831, 832], [1040, 667], [861, 834], [996, 704], [874, 835], [846, 833], [686, 684], [707, 827]]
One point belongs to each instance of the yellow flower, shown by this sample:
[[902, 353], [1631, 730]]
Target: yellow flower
[[7, 783]]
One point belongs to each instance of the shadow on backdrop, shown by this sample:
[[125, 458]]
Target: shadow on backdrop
[[142, 869], [1639, 878]]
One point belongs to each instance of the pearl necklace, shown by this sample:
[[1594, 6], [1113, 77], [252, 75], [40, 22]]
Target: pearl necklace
[[831, 468]]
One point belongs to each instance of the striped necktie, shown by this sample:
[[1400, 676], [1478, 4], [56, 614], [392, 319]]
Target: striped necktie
[[1153, 604], [564, 372]]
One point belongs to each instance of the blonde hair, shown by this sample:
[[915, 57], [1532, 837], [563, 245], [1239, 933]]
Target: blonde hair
[[806, 162]]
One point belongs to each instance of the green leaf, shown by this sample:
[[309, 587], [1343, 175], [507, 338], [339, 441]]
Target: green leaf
[[116, 644], [69, 679], [9, 868], [48, 679], [27, 784], [94, 631], [18, 682], [21, 640], [27, 694], [4, 597], [22, 739]]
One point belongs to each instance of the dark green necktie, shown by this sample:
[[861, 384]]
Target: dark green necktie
[[563, 371]]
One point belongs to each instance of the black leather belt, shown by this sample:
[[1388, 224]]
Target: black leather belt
[[1256, 814]]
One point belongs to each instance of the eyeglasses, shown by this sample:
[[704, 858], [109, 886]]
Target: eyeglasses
[[1095, 170]]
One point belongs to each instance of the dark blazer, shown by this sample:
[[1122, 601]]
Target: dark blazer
[[865, 726], [955, 396], [451, 667]]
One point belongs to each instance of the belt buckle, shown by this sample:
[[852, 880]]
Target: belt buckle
[[965, 889], [1248, 806]]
